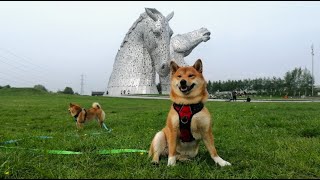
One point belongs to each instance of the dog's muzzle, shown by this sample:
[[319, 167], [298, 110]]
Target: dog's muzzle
[[184, 88]]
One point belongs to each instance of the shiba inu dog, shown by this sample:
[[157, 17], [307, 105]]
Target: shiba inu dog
[[82, 115], [188, 120]]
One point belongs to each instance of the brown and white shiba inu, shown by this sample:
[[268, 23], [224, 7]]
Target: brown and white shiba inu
[[188, 120], [82, 115]]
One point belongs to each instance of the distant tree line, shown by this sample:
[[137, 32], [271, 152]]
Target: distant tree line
[[67, 90], [6, 86], [297, 82], [40, 87]]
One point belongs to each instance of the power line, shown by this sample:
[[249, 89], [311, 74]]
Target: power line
[[2, 60], [16, 77], [10, 80], [24, 59], [23, 66], [17, 62], [18, 68]]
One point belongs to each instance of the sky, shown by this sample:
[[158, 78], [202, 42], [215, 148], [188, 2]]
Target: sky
[[59, 43]]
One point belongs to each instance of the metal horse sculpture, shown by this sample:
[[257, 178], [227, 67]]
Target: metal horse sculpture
[[181, 46], [144, 51]]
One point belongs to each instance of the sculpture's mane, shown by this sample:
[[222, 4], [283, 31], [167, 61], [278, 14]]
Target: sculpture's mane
[[132, 28]]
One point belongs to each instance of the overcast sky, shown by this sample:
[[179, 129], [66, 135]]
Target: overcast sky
[[54, 43]]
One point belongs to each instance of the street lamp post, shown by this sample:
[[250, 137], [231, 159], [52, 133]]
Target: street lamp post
[[312, 54]]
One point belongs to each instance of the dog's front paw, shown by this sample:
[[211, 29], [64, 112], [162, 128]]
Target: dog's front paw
[[172, 161], [156, 163], [224, 163], [221, 162]]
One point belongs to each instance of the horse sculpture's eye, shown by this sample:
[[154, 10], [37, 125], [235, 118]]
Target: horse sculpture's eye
[[157, 34], [170, 32]]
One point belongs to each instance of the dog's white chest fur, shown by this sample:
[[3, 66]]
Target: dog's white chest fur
[[199, 123]]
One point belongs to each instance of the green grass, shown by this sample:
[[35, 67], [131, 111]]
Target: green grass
[[261, 140]]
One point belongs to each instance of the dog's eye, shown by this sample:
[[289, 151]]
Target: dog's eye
[[191, 75], [179, 76]]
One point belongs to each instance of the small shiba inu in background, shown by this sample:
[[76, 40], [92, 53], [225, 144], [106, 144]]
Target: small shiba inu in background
[[188, 120], [82, 115]]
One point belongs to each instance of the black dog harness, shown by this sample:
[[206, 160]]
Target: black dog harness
[[85, 114], [185, 116]]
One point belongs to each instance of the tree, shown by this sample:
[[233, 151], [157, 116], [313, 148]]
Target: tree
[[6, 86], [295, 82], [298, 81], [68, 90], [306, 84], [40, 87], [209, 87]]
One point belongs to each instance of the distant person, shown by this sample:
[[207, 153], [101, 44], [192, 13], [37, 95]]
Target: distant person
[[234, 96], [248, 99]]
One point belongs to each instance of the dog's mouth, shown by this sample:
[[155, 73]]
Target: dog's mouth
[[186, 89]]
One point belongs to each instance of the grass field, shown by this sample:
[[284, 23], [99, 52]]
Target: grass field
[[261, 140]]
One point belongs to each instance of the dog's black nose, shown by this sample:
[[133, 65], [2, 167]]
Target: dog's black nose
[[183, 82]]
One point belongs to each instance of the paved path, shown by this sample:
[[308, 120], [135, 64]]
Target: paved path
[[221, 100]]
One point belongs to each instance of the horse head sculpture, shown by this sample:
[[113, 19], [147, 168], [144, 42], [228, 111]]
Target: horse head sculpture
[[144, 51], [181, 46], [158, 43]]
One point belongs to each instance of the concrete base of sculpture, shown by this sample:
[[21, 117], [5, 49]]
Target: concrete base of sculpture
[[125, 90]]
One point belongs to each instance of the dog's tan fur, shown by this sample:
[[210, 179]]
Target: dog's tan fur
[[95, 112], [167, 142]]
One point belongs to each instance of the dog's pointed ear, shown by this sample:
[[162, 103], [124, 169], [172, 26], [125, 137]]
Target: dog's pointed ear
[[198, 65], [173, 67], [70, 104]]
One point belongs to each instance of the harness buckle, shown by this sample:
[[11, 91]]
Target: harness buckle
[[184, 120]]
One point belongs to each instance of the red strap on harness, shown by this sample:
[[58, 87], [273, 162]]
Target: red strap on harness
[[185, 116]]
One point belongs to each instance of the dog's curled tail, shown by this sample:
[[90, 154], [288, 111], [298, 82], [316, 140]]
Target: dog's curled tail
[[96, 105]]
